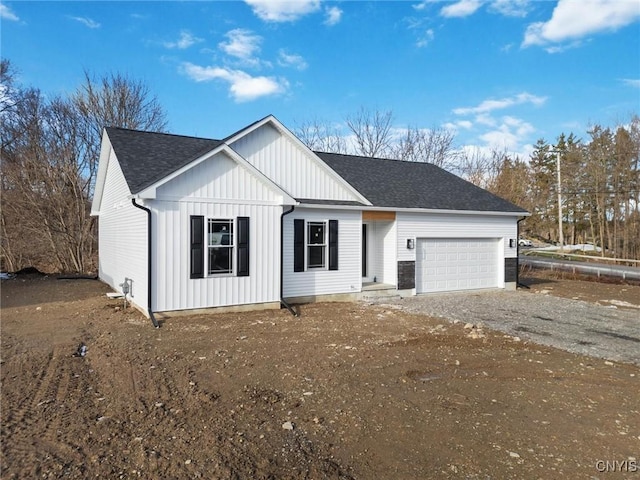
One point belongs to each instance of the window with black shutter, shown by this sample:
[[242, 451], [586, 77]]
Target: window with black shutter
[[226, 242], [243, 247], [197, 247], [315, 245], [298, 245]]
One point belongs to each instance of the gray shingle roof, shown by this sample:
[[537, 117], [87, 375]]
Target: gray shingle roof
[[147, 157], [394, 183]]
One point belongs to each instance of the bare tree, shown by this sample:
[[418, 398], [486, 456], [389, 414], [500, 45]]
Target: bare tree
[[113, 100], [479, 167], [49, 162], [434, 145], [320, 136], [372, 132]]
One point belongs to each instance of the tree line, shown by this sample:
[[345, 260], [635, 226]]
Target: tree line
[[50, 152], [51, 146], [599, 176]]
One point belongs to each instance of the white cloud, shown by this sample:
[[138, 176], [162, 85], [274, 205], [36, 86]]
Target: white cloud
[[490, 105], [7, 14], [465, 8], [455, 127], [573, 20], [185, 41], [485, 119], [241, 43], [242, 86], [510, 135], [291, 60], [283, 10], [426, 38], [87, 22], [501, 139], [510, 8], [333, 16], [632, 82], [462, 8]]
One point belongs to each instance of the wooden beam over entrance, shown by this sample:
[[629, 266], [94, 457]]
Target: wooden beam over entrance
[[378, 215]]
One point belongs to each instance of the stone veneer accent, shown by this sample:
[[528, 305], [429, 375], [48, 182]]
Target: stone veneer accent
[[406, 275], [510, 270]]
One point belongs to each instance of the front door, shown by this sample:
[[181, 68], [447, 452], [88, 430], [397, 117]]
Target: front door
[[366, 253]]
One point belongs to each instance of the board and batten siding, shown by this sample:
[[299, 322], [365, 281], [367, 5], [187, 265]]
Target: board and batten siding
[[222, 178], [175, 290], [315, 281], [122, 237], [290, 166], [217, 188]]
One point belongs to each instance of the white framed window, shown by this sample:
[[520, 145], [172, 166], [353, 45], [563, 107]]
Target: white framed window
[[316, 244], [220, 246]]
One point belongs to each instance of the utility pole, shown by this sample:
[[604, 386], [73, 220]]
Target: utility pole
[[560, 234]]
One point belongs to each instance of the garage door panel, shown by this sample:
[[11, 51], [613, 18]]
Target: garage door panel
[[456, 264]]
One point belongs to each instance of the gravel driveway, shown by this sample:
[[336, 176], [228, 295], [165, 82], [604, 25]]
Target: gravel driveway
[[571, 325]]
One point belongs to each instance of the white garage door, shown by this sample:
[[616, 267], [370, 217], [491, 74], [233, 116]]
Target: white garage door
[[446, 264]]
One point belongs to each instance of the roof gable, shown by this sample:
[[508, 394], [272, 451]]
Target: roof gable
[[281, 156], [400, 184], [147, 157], [220, 174]]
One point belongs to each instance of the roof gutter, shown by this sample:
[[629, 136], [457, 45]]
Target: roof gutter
[[283, 302], [413, 210], [149, 262]]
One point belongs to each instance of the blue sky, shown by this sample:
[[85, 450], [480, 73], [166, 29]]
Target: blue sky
[[499, 73]]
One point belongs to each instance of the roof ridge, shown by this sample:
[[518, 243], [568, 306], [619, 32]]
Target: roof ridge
[[228, 137], [368, 158], [162, 133]]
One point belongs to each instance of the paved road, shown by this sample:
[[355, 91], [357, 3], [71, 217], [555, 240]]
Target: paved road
[[589, 268], [571, 325]]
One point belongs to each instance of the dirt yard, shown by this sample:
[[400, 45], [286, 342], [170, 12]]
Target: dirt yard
[[345, 391]]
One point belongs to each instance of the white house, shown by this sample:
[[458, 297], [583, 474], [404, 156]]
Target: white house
[[259, 220]]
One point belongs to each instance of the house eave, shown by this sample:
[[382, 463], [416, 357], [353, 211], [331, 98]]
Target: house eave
[[415, 210]]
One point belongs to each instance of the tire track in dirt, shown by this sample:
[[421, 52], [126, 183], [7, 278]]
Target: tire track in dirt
[[36, 426]]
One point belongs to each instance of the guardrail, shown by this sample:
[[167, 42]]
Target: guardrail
[[631, 273], [553, 253]]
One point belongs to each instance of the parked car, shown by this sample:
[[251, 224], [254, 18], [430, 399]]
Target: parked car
[[523, 242]]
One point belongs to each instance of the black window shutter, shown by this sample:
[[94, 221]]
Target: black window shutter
[[333, 244], [298, 245], [243, 246], [197, 246]]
